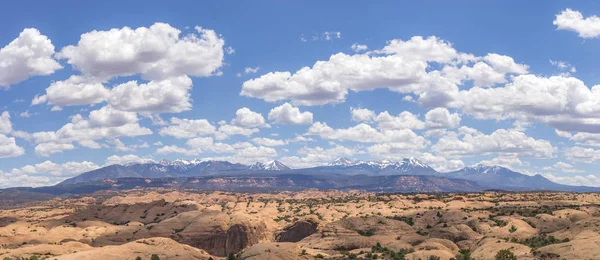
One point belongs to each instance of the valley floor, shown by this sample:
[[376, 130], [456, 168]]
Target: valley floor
[[311, 224]]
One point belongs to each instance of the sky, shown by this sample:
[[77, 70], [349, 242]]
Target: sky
[[89, 84]]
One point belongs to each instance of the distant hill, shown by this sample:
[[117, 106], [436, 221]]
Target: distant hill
[[338, 174], [276, 182], [497, 177]]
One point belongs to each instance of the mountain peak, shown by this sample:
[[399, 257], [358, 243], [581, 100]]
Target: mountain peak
[[270, 166], [407, 164], [481, 168], [342, 162]]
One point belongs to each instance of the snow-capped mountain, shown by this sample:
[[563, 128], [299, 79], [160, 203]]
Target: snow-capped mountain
[[498, 177], [488, 177], [407, 164], [344, 162], [270, 166]]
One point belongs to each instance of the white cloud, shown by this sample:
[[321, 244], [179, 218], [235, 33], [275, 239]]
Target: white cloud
[[26, 56], [504, 161], [579, 180], [364, 133], [249, 70], [76, 90], [244, 117], [441, 163], [188, 128], [362, 114], [9, 147], [332, 35], [104, 123], [572, 20], [581, 154], [26, 114], [287, 114], [5, 123], [167, 149], [310, 157], [115, 159], [44, 173], [67, 169], [564, 103], [564, 68], [505, 64], [359, 47], [169, 95], [156, 53], [268, 141], [47, 149], [586, 139], [228, 130], [404, 120], [243, 152], [441, 118], [565, 167], [501, 141], [563, 134], [401, 66], [107, 116]]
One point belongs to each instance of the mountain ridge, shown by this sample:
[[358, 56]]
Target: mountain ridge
[[488, 177]]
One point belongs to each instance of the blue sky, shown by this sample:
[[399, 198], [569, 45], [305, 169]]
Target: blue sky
[[83, 85]]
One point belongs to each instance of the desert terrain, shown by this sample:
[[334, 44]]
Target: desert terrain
[[311, 224]]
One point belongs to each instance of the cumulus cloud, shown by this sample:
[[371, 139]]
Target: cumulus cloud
[[573, 20], [317, 156], [564, 103], [242, 152], [588, 139], [26, 56], [5, 123], [157, 52], [365, 133], [104, 123], [227, 130], [244, 117], [288, 114], [107, 116], [76, 90], [504, 161], [400, 66], [188, 128], [362, 114], [49, 148], [441, 163], [268, 141], [169, 95], [44, 173], [441, 118], [582, 154], [168, 149], [501, 141], [128, 158], [9, 147], [565, 167], [579, 180], [359, 47], [404, 120]]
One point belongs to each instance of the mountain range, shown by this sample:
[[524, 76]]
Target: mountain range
[[342, 173]]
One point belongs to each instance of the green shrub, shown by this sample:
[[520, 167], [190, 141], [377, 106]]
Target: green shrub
[[505, 254]]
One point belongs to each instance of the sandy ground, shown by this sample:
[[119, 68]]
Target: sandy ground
[[303, 225]]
